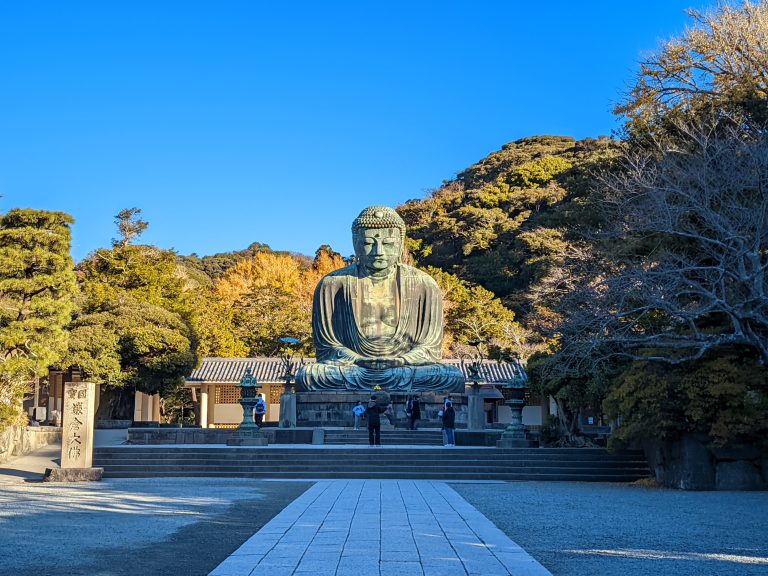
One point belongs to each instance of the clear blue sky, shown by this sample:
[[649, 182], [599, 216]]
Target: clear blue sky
[[239, 121]]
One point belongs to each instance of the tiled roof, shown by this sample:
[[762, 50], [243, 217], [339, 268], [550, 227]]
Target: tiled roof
[[266, 370]]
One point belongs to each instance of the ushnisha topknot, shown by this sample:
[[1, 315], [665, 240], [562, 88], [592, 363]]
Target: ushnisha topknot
[[379, 217]]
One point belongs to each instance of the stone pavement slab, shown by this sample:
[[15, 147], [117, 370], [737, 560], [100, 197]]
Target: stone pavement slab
[[380, 528]]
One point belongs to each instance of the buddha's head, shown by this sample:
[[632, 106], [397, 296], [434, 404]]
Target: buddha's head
[[378, 234]]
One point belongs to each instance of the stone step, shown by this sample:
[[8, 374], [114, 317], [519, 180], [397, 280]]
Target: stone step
[[426, 454], [476, 466], [278, 448], [416, 475], [512, 464], [408, 463], [375, 456], [342, 471]]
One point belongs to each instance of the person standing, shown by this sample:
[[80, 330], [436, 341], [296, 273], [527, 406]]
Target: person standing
[[374, 423], [449, 424], [358, 411], [413, 410], [260, 410]]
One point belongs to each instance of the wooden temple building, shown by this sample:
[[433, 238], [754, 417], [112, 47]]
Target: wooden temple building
[[214, 387], [214, 391]]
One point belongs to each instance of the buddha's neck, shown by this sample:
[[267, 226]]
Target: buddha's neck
[[381, 275]]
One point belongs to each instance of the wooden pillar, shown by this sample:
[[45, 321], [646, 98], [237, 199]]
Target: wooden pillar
[[137, 406], [55, 391], [36, 402], [97, 392], [211, 405], [204, 406], [156, 407], [146, 407]]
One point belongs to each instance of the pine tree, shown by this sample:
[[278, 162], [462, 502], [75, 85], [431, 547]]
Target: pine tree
[[133, 327], [37, 287]]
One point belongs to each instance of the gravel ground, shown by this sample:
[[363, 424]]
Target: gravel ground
[[577, 529], [121, 527]]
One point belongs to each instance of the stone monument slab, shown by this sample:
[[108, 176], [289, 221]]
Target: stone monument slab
[[77, 435]]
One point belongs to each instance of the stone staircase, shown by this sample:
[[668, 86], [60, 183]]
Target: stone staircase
[[391, 437], [389, 461]]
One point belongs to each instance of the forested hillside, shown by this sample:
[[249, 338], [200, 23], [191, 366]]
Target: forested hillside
[[504, 222], [216, 265]]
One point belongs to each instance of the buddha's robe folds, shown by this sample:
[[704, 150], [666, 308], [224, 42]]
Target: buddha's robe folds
[[417, 339]]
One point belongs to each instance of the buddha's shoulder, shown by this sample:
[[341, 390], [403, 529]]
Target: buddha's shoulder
[[415, 274], [339, 275]]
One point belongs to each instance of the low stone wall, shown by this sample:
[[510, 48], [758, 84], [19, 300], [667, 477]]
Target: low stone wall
[[19, 440], [690, 464], [477, 437], [214, 435], [302, 435], [103, 424]]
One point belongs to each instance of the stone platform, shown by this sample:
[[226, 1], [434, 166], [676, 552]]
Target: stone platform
[[333, 408], [308, 435]]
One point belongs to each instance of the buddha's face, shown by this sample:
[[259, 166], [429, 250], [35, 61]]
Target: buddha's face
[[378, 249]]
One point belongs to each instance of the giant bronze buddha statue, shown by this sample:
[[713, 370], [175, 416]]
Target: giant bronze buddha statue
[[378, 322]]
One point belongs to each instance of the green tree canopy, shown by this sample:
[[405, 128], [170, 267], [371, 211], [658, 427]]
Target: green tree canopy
[[133, 326], [721, 396], [674, 290], [503, 222], [472, 313], [718, 65], [37, 286]]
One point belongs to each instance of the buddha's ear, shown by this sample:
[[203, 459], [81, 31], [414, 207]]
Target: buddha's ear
[[405, 256]]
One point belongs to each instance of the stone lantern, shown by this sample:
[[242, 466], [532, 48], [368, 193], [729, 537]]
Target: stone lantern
[[248, 432], [288, 398], [514, 436], [248, 387], [474, 371]]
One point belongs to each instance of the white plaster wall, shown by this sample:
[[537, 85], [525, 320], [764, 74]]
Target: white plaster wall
[[233, 413], [531, 415], [273, 413], [227, 414]]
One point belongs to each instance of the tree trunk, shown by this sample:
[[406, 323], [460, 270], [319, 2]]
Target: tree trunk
[[116, 404]]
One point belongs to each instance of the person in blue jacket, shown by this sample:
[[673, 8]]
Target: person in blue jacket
[[358, 411]]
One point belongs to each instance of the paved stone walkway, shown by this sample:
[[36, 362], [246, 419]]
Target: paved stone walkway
[[380, 528]]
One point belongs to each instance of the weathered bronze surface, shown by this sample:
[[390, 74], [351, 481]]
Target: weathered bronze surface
[[378, 322]]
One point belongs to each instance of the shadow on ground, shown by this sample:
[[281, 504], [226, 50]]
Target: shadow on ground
[[195, 548]]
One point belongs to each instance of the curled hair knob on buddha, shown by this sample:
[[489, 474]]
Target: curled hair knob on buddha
[[378, 217]]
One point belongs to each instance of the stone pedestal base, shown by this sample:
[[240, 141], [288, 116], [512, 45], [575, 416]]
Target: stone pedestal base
[[248, 438], [334, 408], [318, 436], [73, 474], [288, 410], [475, 412], [516, 443]]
